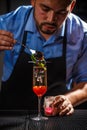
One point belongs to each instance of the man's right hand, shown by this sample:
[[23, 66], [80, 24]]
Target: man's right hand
[[6, 40]]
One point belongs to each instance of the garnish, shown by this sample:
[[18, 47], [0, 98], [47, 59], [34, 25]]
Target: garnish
[[38, 59]]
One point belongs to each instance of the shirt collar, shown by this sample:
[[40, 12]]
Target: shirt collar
[[31, 26], [61, 30]]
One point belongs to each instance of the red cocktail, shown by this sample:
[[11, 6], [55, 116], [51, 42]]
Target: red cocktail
[[39, 87], [39, 90]]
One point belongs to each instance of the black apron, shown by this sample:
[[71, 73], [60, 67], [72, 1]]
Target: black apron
[[17, 91]]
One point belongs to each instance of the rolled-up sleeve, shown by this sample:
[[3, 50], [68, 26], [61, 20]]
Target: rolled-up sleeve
[[80, 68]]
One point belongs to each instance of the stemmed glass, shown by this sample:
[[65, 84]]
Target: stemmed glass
[[39, 86]]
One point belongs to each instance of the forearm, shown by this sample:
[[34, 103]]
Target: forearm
[[78, 94]]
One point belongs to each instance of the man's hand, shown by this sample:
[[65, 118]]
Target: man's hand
[[6, 40], [61, 106]]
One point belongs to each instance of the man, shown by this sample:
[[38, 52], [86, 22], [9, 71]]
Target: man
[[50, 27]]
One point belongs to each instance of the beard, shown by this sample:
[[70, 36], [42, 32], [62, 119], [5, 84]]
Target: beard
[[47, 28]]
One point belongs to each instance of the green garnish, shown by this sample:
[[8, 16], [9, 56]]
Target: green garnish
[[38, 59]]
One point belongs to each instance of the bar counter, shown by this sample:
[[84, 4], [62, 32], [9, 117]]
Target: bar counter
[[21, 120]]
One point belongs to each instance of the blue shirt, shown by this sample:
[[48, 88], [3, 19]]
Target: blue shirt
[[76, 52]]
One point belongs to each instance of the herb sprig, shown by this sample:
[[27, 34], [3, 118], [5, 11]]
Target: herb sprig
[[38, 59]]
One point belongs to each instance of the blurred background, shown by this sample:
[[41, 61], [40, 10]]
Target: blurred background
[[9, 5]]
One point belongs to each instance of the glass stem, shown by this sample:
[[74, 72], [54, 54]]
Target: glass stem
[[39, 106]]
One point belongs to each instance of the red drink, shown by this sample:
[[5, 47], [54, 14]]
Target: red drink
[[48, 111], [39, 80], [39, 90]]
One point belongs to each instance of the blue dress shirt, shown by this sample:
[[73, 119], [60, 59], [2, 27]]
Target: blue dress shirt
[[76, 52]]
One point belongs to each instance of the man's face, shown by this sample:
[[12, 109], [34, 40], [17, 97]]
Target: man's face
[[50, 14]]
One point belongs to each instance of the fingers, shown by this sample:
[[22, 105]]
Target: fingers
[[6, 40], [70, 112], [66, 110], [4, 32], [62, 106], [58, 100]]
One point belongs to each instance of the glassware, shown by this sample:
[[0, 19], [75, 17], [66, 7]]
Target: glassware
[[48, 109], [39, 87]]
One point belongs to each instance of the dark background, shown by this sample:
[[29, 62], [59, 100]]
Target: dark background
[[9, 5]]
